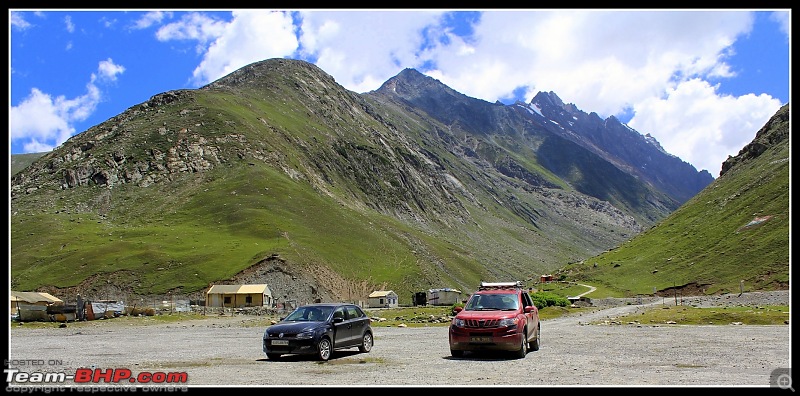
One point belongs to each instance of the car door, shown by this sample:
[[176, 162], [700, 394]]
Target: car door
[[531, 317], [359, 321], [343, 330]]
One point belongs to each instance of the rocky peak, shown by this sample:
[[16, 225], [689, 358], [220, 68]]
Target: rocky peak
[[770, 135]]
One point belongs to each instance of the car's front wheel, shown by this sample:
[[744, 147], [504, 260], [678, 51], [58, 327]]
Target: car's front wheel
[[324, 349], [456, 353], [274, 356], [523, 347], [366, 342]]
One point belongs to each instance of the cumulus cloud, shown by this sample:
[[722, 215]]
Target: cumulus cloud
[[150, 19], [108, 70], [42, 121], [251, 36], [693, 120]]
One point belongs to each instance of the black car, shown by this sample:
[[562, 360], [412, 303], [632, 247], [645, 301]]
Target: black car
[[319, 329]]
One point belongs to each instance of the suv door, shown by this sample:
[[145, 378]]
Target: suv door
[[531, 317]]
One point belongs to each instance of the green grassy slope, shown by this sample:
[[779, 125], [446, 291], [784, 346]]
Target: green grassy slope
[[733, 235]]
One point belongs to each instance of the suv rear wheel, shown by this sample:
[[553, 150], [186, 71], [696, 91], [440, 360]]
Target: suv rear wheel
[[534, 345]]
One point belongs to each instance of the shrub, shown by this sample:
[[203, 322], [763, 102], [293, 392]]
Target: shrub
[[547, 299]]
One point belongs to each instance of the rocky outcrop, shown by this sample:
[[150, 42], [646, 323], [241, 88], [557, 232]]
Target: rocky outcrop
[[775, 131]]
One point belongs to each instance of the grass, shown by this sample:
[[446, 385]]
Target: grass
[[688, 315], [421, 316]]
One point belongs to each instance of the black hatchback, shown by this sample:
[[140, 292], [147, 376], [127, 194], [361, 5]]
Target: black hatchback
[[319, 329]]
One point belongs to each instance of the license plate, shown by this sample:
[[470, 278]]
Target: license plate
[[280, 342], [481, 339]]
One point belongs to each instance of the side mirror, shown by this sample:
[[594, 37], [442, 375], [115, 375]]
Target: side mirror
[[338, 319], [458, 309]]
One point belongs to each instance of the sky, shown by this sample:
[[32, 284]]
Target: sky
[[702, 82]]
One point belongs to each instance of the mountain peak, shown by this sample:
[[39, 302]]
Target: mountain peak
[[267, 72], [550, 98]]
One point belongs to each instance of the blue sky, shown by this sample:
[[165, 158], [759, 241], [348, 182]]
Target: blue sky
[[702, 82]]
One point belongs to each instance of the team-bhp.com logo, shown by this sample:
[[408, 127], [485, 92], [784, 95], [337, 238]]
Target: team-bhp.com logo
[[16, 378]]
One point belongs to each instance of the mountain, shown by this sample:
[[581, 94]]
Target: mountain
[[616, 163], [22, 161], [637, 154], [276, 174], [731, 237]]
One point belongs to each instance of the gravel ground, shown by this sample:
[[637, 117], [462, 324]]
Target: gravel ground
[[225, 351]]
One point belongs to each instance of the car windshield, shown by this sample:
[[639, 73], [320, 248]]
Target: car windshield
[[309, 314], [492, 302]]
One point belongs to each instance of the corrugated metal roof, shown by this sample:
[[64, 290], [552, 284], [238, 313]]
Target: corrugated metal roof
[[381, 293], [34, 297], [239, 289]]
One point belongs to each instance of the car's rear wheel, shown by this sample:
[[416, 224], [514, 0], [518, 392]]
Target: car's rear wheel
[[534, 345], [274, 356], [366, 342], [456, 353], [324, 349], [523, 347]]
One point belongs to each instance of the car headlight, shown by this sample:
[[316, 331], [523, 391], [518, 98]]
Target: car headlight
[[510, 322], [306, 334], [458, 322]]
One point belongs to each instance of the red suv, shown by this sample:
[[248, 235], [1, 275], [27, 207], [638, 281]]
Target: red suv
[[500, 316]]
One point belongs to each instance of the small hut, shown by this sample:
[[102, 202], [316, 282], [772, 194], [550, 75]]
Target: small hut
[[383, 299], [239, 296]]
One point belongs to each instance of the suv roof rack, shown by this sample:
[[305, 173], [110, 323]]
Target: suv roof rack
[[500, 285]]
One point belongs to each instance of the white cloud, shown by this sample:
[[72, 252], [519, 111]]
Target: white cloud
[[108, 70], [150, 19], [43, 122], [39, 119], [599, 60], [192, 26], [250, 36], [364, 49], [701, 127], [18, 21], [68, 24], [784, 21]]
